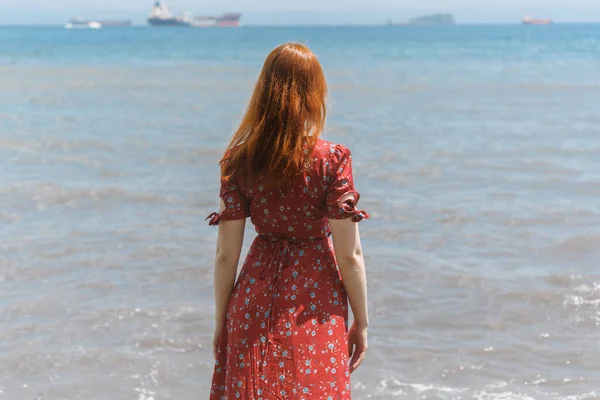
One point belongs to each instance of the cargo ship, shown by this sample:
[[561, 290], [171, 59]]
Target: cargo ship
[[96, 24], [161, 16], [532, 21]]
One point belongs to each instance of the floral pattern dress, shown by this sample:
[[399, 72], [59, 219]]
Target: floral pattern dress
[[285, 334]]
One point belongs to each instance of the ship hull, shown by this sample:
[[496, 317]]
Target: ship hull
[[79, 23], [167, 22], [535, 21], [116, 23], [204, 23], [229, 20], [228, 24], [83, 24]]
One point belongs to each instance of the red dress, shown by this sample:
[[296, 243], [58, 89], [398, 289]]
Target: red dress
[[285, 334]]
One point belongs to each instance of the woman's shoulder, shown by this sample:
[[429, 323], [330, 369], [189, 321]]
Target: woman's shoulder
[[331, 151]]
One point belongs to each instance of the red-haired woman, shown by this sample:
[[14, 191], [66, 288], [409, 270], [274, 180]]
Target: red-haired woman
[[282, 329]]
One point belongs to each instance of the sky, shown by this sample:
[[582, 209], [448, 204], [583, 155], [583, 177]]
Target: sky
[[275, 12]]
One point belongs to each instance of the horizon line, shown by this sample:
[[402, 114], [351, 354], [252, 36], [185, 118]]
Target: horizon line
[[299, 25]]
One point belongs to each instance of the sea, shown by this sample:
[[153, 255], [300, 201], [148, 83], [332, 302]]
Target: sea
[[476, 151]]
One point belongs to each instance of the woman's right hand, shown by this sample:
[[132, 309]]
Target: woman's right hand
[[357, 345]]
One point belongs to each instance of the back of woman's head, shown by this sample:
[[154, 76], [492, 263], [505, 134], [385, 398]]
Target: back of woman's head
[[284, 119]]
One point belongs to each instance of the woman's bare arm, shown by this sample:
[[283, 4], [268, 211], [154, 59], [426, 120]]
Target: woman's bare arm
[[229, 247], [348, 252]]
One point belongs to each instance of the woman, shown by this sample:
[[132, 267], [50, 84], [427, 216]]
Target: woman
[[282, 330]]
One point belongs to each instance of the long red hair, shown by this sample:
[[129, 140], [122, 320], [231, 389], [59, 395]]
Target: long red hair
[[284, 118]]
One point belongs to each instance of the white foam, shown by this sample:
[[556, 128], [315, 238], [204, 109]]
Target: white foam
[[145, 394], [501, 396], [590, 395], [393, 387]]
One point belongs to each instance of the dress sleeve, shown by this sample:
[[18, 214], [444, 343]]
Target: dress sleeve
[[342, 197], [236, 205]]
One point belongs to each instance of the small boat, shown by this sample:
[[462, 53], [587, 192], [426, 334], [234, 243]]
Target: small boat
[[83, 24], [532, 21], [96, 24]]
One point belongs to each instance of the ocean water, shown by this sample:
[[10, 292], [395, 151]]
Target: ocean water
[[477, 152]]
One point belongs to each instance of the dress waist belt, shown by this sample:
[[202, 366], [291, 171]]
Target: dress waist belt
[[280, 256]]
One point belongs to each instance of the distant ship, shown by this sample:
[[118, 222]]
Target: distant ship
[[161, 16], [229, 20], [96, 24], [426, 20], [532, 21]]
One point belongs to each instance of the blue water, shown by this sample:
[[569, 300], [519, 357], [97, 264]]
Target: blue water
[[336, 46], [477, 152]]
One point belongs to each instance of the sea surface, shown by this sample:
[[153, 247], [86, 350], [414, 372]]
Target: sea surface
[[476, 150]]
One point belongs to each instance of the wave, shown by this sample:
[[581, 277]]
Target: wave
[[49, 194], [579, 244]]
